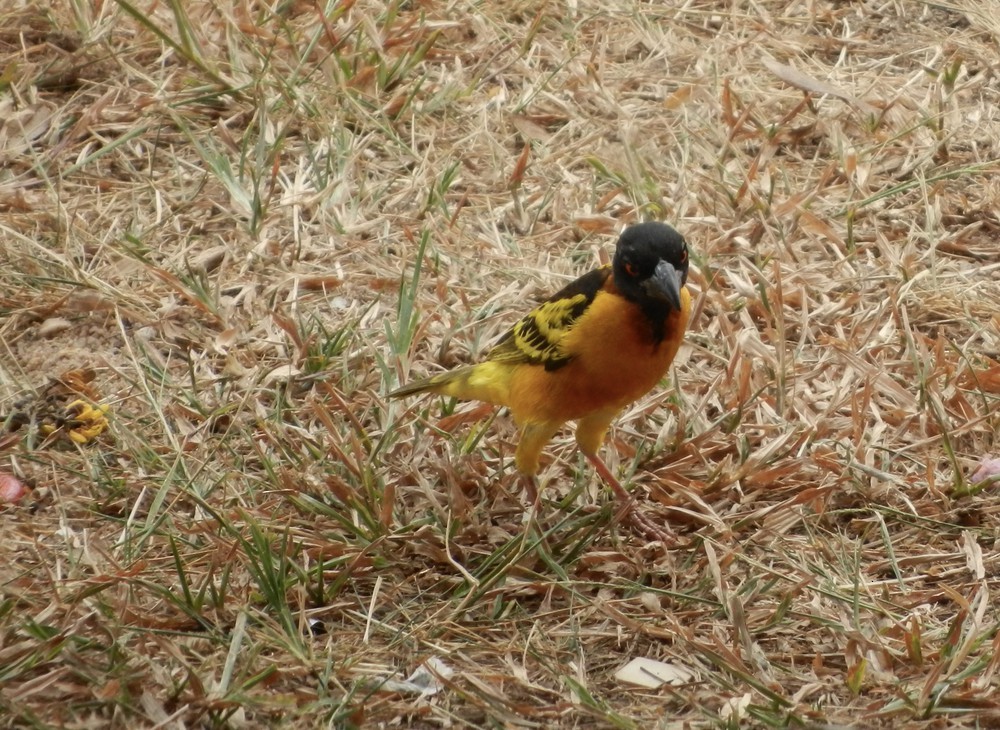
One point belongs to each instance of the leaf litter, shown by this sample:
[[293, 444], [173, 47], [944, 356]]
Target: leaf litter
[[219, 213]]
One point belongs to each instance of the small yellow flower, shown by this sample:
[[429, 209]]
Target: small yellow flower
[[85, 421]]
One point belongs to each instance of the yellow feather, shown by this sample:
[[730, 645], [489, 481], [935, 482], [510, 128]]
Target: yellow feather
[[488, 381]]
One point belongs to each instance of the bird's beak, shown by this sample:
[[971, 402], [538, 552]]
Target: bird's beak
[[665, 284]]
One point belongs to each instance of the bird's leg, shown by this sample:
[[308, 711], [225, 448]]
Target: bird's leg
[[531, 489], [530, 519], [534, 436], [629, 506], [530, 482], [590, 432]]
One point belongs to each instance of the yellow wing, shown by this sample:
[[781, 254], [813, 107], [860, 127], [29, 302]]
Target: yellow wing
[[539, 337]]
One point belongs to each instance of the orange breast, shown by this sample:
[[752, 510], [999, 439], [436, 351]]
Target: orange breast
[[614, 363]]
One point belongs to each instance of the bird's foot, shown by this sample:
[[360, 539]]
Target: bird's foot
[[643, 524], [629, 508]]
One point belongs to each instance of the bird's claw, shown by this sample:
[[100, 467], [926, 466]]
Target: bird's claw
[[645, 525], [630, 508]]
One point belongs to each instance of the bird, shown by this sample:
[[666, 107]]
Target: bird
[[585, 353]]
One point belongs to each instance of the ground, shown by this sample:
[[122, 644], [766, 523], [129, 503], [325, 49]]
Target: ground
[[237, 226]]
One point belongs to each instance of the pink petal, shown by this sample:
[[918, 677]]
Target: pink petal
[[11, 488], [988, 469]]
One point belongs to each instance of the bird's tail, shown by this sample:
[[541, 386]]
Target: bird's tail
[[487, 381]]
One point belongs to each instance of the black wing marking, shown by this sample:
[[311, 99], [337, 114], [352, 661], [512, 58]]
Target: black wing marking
[[536, 338]]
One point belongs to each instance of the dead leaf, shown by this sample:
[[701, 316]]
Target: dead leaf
[[807, 83], [651, 673], [528, 129]]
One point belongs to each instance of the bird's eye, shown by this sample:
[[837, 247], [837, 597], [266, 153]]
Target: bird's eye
[[631, 269]]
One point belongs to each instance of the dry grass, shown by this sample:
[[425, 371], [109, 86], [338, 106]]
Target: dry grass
[[220, 208]]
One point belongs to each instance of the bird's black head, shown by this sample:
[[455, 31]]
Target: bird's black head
[[651, 267]]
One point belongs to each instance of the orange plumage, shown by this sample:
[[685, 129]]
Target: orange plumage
[[587, 352]]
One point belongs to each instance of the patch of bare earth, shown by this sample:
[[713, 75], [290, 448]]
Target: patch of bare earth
[[251, 221]]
